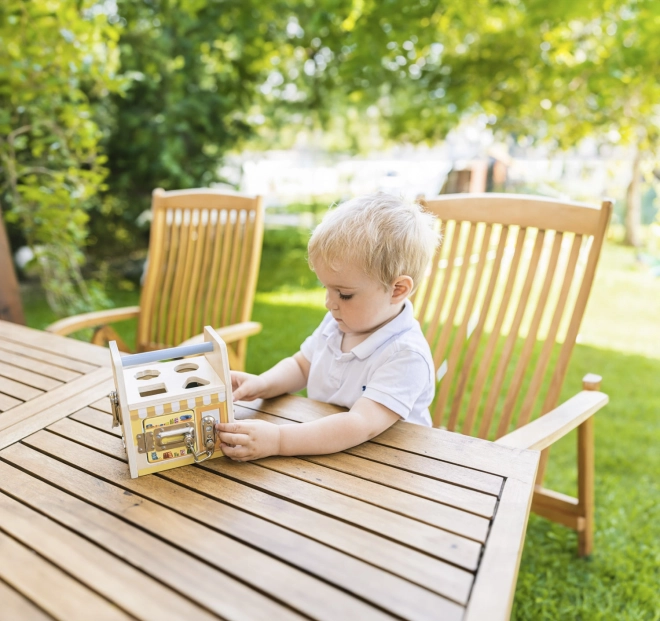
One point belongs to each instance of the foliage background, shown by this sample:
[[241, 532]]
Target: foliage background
[[101, 102]]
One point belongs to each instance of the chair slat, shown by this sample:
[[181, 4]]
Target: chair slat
[[462, 334], [510, 341], [439, 351], [176, 301], [221, 281], [441, 296], [198, 243], [530, 340], [548, 345], [238, 286], [421, 312], [204, 272], [487, 358], [170, 270], [466, 367], [232, 269], [153, 286]]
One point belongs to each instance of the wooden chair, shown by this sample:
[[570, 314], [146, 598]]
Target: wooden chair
[[501, 307], [202, 270]]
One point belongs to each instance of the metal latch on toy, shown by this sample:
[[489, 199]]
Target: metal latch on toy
[[207, 439], [116, 410]]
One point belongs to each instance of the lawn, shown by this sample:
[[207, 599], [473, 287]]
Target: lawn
[[620, 340]]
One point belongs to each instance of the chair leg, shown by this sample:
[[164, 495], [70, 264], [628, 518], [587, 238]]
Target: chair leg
[[586, 475], [576, 513]]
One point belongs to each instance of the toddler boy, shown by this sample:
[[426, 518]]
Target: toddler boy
[[369, 353]]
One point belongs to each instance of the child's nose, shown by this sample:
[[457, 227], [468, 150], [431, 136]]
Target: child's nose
[[328, 302]]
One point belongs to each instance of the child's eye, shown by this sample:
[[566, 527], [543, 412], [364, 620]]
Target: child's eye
[[345, 297]]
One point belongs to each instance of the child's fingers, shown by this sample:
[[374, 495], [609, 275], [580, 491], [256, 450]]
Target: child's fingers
[[234, 452], [234, 438]]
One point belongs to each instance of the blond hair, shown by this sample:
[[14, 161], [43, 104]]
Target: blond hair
[[384, 235]]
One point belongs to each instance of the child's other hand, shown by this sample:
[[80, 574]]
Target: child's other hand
[[246, 386], [249, 439]]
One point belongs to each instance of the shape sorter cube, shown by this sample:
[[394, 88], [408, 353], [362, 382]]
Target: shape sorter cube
[[168, 408]]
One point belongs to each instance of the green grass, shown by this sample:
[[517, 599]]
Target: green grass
[[620, 339]]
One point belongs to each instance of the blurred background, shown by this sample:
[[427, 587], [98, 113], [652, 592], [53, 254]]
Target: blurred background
[[309, 103]]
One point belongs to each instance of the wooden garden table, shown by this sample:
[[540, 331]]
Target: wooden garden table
[[416, 524]]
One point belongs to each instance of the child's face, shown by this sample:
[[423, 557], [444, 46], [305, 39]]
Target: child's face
[[358, 303]]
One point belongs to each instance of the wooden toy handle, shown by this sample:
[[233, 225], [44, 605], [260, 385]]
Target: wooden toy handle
[[165, 354]]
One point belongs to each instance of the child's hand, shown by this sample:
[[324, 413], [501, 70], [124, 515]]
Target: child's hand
[[249, 439], [246, 386]]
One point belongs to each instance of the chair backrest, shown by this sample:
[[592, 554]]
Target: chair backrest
[[502, 302], [204, 254]]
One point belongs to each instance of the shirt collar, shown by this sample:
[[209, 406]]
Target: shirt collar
[[403, 322]]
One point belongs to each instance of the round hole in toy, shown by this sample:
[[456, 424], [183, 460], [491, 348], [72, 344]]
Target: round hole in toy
[[186, 367]]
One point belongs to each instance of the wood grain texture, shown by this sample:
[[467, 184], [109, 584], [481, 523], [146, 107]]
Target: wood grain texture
[[170, 509], [17, 606], [421, 509], [49, 407], [410, 482], [34, 356], [97, 569], [390, 556], [142, 549], [517, 210], [49, 343], [49, 587], [18, 361], [492, 596]]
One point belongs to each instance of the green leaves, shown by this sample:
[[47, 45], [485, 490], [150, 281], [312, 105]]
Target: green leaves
[[54, 55]]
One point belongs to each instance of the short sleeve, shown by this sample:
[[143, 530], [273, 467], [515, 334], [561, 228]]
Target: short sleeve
[[310, 344], [403, 381]]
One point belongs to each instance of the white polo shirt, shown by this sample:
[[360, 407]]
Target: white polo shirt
[[393, 367]]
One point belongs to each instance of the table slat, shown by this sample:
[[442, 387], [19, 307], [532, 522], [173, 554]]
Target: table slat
[[42, 411], [420, 509], [37, 365], [25, 376], [16, 606], [142, 549], [47, 342], [441, 544], [49, 587], [353, 575], [266, 574], [18, 390], [392, 557], [97, 569], [7, 403], [49, 356], [433, 468]]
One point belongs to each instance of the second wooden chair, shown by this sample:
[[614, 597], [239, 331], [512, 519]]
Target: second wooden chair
[[203, 264]]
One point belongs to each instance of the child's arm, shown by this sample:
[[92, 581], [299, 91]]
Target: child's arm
[[288, 375], [246, 440]]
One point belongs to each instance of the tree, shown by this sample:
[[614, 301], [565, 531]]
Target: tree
[[53, 53], [195, 69], [556, 72]]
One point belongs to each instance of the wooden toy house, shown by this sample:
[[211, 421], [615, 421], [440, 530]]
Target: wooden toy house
[[168, 405]]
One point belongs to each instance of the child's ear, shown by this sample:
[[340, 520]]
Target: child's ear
[[403, 286]]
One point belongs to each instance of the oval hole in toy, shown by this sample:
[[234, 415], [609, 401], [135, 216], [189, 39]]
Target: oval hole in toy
[[195, 382], [147, 374], [186, 367]]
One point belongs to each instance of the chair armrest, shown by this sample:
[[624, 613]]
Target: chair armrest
[[547, 429], [229, 334], [90, 320]]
